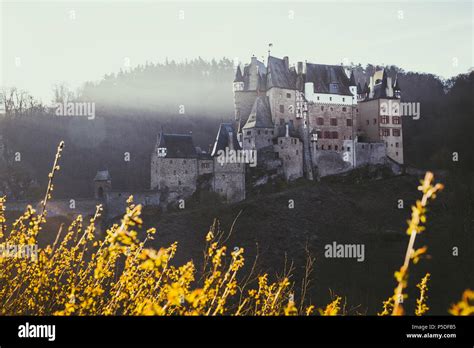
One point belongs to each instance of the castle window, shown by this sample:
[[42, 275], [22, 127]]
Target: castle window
[[322, 147], [266, 131], [329, 147], [375, 121], [281, 141], [333, 122], [344, 108], [344, 99], [327, 135], [334, 135], [322, 108], [396, 132], [349, 122], [385, 132], [320, 121], [282, 108], [258, 132], [317, 98], [331, 109], [396, 120], [336, 147], [396, 153], [333, 88], [249, 140], [397, 144], [330, 98], [288, 95]]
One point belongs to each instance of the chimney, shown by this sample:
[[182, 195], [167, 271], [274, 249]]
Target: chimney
[[300, 68], [287, 62]]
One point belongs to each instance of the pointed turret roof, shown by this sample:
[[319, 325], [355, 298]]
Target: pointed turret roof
[[238, 75], [352, 81], [396, 86], [226, 137], [260, 116]]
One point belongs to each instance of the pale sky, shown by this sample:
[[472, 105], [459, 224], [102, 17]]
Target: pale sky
[[46, 42]]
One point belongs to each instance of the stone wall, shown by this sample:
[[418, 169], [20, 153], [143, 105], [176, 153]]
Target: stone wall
[[290, 151], [370, 153], [174, 174], [243, 101], [205, 166], [330, 162], [116, 201], [333, 124], [229, 181], [282, 99], [257, 138]]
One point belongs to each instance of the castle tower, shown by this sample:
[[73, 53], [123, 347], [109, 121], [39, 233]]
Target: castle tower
[[239, 80], [396, 88], [353, 86], [102, 184]]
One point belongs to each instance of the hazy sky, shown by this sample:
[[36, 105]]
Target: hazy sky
[[45, 42]]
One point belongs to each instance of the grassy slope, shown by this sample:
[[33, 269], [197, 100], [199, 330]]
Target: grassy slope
[[344, 212]]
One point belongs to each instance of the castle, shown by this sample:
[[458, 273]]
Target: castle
[[308, 121]]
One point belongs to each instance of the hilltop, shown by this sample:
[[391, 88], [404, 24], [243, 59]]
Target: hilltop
[[341, 209]]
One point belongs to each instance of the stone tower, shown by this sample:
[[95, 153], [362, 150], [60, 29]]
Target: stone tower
[[102, 184]]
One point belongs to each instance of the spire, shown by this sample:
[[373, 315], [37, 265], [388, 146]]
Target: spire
[[396, 86], [238, 75], [352, 81]]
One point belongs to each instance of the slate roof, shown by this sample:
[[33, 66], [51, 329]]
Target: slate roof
[[261, 78], [102, 175], [177, 145], [328, 79], [223, 139], [278, 75], [352, 81], [238, 75], [261, 115]]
